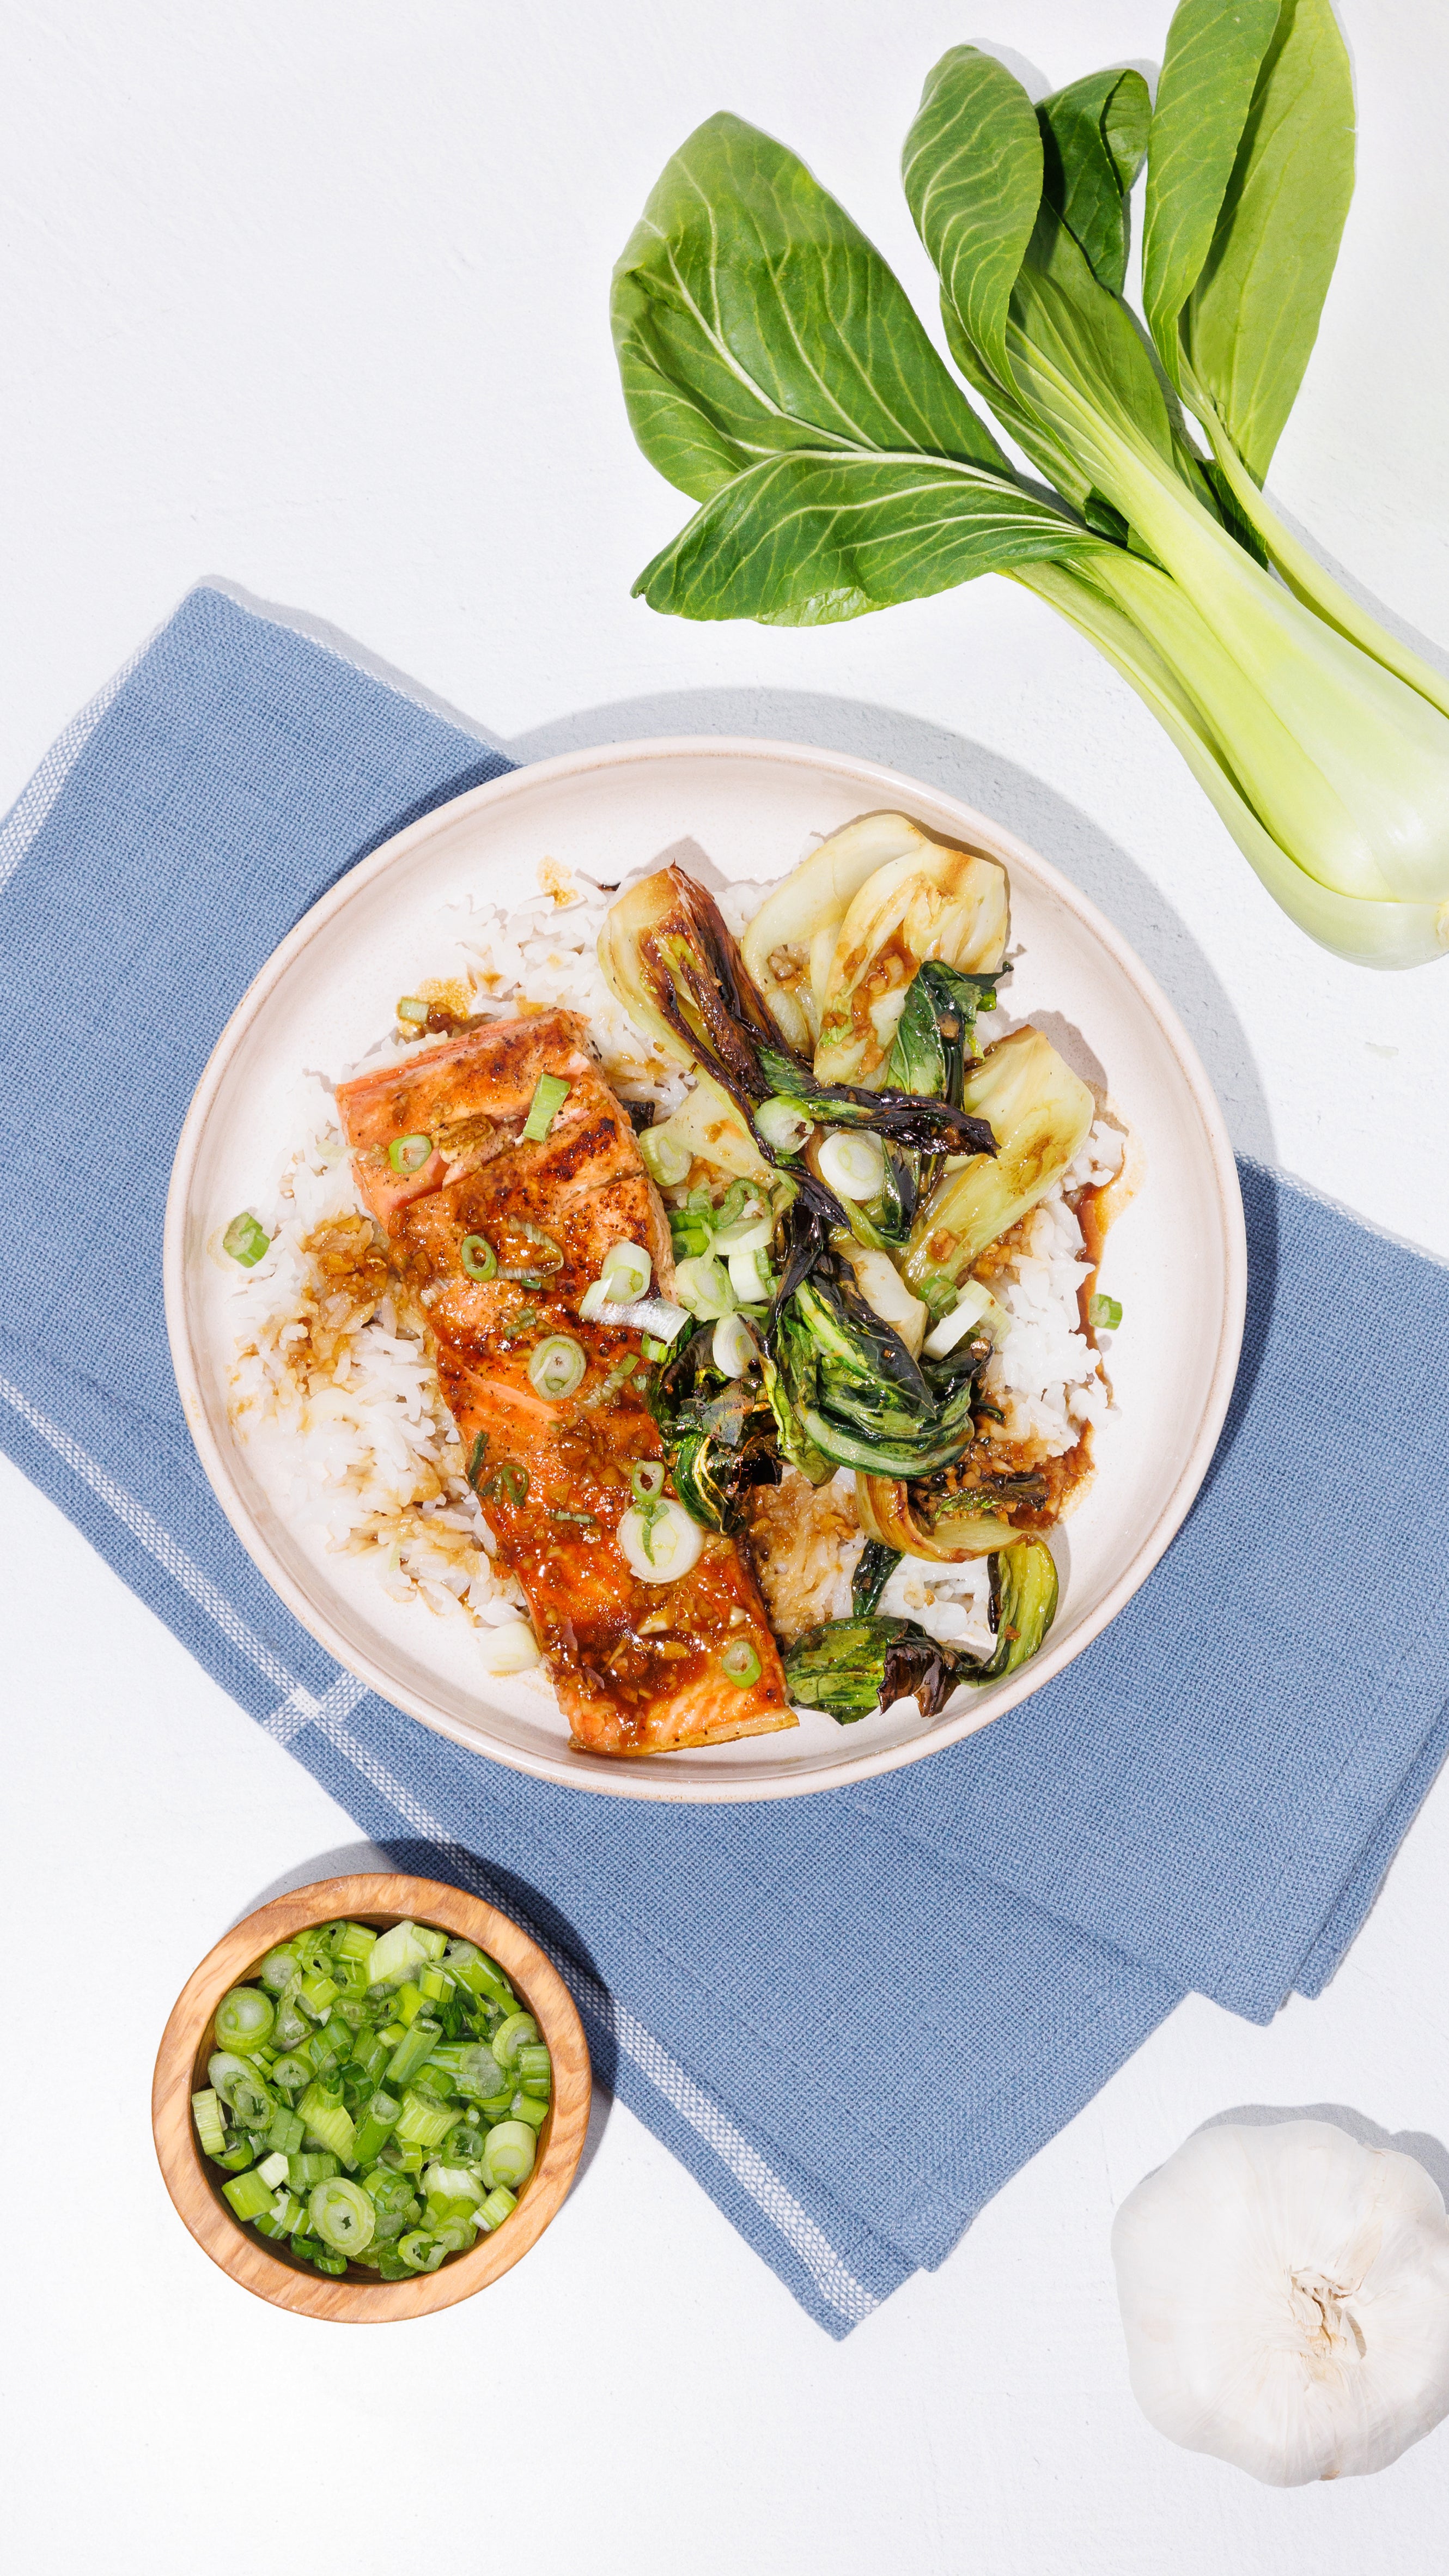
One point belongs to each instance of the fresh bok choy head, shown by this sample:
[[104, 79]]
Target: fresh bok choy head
[[776, 372]]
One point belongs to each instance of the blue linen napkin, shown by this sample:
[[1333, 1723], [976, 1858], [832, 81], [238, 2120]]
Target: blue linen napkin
[[1207, 1799]]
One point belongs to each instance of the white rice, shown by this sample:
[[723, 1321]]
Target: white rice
[[340, 1401], [1045, 1375]]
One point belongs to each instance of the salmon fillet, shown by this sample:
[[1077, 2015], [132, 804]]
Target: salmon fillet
[[636, 1665]]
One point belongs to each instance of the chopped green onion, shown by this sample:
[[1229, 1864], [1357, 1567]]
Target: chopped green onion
[[286, 2132], [421, 2251], [1104, 1314], [398, 1951], [241, 2089], [750, 1230], [508, 2154], [413, 1010], [660, 1541], [548, 1099], [210, 2126], [303, 2171], [853, 1165], [330, 2122], [740, 1664], [245, 1240], [248, 2195], [557, 1367], [782, 1125], [518, 2032], [478, 1257], [479, 2076], [474, 1468], [417, 2045], [508, 1479], [342, 2215], [626, 1273], [407, 1154], [535, 2070], [612, 1383], [376, 2126], [475, 2068], [667, 1158], [703, 1285], [734, 1349], [646, 1480], [423, 2122], [283, 2217], [654, 1350]]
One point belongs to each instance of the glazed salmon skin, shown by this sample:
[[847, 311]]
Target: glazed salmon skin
[[636, 1665]]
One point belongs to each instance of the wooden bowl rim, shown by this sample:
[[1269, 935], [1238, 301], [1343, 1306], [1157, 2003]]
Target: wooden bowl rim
[[188, 2176]]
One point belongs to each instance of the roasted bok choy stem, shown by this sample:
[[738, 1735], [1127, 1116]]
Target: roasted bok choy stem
[[375, 2099], [775, 371]]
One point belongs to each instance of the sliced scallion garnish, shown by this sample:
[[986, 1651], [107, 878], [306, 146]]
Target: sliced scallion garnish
[[507, 1479], [413, 2053], [557, 1367], [740, 1664], [478, 1257], [549, 1096], [407, 1154], [646, 1480], [245, 1240]]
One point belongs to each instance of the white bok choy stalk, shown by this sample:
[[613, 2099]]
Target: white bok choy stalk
[[775, 370]]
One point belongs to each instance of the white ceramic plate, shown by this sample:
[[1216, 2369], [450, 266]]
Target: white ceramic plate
[[1176, 1259]]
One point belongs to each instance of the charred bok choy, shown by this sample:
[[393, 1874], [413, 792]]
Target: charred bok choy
[[810, 1348], [775, 371], [850, 1666]]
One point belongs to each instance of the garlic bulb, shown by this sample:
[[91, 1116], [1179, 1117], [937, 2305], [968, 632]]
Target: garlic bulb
[[1285, 2297]]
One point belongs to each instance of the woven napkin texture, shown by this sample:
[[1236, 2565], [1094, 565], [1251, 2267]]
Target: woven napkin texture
[[854, 2015]]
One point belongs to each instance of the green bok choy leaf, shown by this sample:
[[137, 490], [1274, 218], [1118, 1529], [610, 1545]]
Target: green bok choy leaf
[[775, 371]]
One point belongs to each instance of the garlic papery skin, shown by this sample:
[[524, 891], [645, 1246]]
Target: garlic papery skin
[[1285, 2298]]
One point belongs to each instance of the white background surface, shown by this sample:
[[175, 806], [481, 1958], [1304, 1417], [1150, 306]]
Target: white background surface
[[314, 296]]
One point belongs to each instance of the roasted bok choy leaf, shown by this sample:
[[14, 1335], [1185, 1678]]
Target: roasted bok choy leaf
[[719, 1431], [850, 1666], [774, 370], [672, 964]]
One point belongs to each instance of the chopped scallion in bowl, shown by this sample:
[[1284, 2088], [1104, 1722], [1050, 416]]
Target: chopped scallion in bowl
[[374, 2099]]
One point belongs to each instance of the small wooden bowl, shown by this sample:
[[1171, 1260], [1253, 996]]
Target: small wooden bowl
[[357, 2297]]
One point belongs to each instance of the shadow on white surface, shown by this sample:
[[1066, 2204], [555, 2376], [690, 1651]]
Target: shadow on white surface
[[1428, 2151], [356, 1860]]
